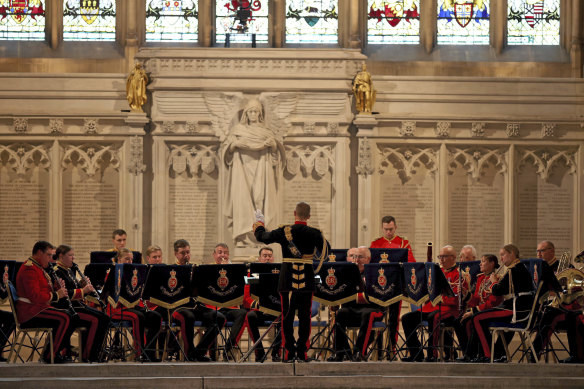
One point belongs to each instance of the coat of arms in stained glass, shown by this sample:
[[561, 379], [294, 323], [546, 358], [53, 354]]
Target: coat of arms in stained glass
[[463, 22], [533, 22], [175, 20], [22, 20], [241, 19], [312, 21], [85, 20], [393, 21]]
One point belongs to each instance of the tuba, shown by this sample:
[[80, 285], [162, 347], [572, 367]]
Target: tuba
[[572, 281]]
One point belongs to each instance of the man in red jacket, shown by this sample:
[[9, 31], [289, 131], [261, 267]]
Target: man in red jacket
[[390, 240], [447, 310], [35, 295]]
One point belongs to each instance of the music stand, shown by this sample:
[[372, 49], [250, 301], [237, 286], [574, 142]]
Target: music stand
[[471, 270], [8, 273], [340, 283], [337, 255], [169, 287], [388, 255], [264, 289], [221, 286]]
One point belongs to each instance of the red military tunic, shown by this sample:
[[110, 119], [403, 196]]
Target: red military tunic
[[449, 305], [35, 292], [483, 295], [397, 242]]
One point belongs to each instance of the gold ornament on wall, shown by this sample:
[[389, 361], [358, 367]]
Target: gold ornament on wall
[[363, 91], [136, 88]]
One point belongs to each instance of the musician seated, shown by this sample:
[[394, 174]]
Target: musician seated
[[144, 321], [444, 313], [255, 316], [359, 313], [481, 300], [516, 287], [553, 318], [94, 321], [236, 315], [35, 295]]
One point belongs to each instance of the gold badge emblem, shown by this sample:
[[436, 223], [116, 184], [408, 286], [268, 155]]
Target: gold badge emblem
[[222, 281]]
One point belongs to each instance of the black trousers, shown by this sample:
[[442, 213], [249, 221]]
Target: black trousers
[[213, 321], [6, 327], [292, 302], [97, 324], [412, 320], [362, 317]]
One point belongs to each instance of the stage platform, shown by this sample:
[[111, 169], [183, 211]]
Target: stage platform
[[293, 375]]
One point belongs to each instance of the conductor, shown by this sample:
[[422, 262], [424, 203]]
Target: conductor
[[301, 245]]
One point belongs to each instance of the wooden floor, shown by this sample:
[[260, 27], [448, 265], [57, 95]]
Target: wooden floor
[[294, 375]]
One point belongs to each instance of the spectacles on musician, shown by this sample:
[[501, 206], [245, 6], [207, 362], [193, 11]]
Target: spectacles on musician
[[445, 256], [542, 250]]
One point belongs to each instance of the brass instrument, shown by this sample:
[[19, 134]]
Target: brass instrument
[[572, 282]]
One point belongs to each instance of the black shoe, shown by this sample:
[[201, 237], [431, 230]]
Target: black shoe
[[202, 358], [430, 358], [358, 357], [276, 358], [464, 359], [503, 359], [414, 358], [2, 359], [338, 357], [480, 360]]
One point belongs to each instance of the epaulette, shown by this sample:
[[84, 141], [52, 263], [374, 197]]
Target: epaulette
[[283, 225], [28, 263]]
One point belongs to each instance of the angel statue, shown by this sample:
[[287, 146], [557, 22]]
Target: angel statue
[[255, 158], [363, 91], [136, 88]]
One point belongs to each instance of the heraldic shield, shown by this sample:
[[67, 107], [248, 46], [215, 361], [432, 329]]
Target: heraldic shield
[[534, 265], [415, 285], [438, 285], [384, 283], [219, 285], [388, 255], [339, 283], [8, 274], [168, 286], [128, 284]]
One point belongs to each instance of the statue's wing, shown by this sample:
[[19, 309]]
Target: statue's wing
[[222, 109], [277, 110]]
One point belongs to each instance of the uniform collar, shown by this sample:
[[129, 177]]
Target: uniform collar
[[515, 262], [301, 222]]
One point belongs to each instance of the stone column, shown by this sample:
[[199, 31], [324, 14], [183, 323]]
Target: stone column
[[54, 23], [278, 27], [129, 14], [428, 24], [576, 39], [206, 23], [498, 25]]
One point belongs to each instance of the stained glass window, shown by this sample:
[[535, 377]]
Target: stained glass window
[[463, 22], [22, 20], [172, 20], [393, 21], [533, 22], [86, 20], [241, 19], [312, 21]]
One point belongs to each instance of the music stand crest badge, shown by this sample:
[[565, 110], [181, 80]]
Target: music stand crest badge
[[222, 281], [381, 278], [172, 281], [413, 279], [429, 278], [134, 280], [332, 257], [535, 276], [384, 258], [331, 279], [5, 275]]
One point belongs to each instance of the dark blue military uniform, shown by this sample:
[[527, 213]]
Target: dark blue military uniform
[[301, 245]]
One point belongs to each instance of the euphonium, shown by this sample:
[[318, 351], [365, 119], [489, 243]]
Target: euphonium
[[572, 281]]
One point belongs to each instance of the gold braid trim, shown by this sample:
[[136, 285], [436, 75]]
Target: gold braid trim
[[323, 253]]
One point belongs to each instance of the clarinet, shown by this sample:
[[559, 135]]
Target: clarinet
[[76, 269], [70, 310]]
